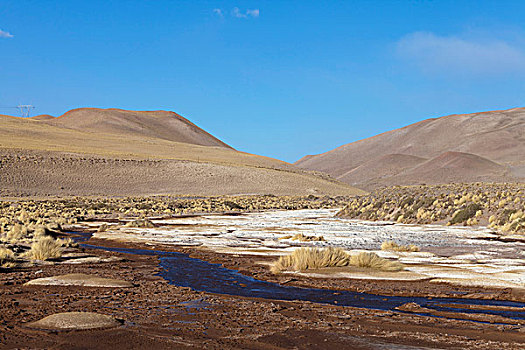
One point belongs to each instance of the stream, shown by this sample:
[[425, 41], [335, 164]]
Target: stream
[[181, 270]]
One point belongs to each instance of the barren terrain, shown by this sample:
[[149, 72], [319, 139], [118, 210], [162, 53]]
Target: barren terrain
[[116, 152], [159, 311], [123, 229], [487, 146], [157, 315]]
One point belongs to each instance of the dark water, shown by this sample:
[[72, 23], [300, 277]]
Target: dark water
[[181, 270]]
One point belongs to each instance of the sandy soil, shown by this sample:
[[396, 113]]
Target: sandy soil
[[41, 173], [115, 152], [157, 315]]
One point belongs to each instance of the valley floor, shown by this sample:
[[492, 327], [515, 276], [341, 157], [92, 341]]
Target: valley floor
[[157, 315]]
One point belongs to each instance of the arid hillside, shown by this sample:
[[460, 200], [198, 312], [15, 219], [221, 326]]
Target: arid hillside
[[157, 124], [487, 146], [114, 152]]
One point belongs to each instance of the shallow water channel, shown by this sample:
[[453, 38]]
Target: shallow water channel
[[181, 270]]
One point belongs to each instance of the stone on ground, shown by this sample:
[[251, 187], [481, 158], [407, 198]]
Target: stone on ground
[[75, 321], [79, 279]]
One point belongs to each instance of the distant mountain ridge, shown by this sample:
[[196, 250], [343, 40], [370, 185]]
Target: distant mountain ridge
[[486, 146]]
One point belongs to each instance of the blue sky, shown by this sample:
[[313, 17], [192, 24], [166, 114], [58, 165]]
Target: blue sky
[[277, 78]]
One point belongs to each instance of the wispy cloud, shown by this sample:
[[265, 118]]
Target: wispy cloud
[[248, 13], [237, 13], [4, 34], [253, 13], [452, 54]]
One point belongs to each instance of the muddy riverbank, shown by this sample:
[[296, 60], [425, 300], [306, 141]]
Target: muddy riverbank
[[156, 314]]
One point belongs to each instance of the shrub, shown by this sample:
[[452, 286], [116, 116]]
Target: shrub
[[391, 245], [423, 203], [406, 202], [374, 261], [311, 258], [465, 214], [39, 232], [24, 217], [233, 205], [16, 233], [7, 258], [140, 223], [45, 248], [505, 215]]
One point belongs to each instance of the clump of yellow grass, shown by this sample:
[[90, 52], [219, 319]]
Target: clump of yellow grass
[[311, 258], [7, 258], [17, 233], [303, 238], [393, 246], [45, 248], [374, 261], [140, 223], [315, 258]]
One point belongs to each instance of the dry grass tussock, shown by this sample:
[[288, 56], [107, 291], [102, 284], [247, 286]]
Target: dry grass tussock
[[316, 258], [16, 233], [374, 261], [311, 258], [7, 258], [303, 238], [140, 223], [45, 248], [103, 228], [393, 246]]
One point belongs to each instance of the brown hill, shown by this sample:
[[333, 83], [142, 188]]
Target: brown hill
[[498, 136], [453, 167], [157, 124], [379, 168], [138, 153], [42, 117]]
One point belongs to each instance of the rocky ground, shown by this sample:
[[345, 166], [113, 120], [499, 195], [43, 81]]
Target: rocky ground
[[157, 315]]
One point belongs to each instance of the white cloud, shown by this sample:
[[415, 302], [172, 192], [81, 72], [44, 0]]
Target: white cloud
[[235, 12], [452, 54], [218, 12], [4, 34], [253, 13]]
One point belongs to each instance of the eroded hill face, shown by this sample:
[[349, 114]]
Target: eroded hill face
[[487, 146], [116, 152]]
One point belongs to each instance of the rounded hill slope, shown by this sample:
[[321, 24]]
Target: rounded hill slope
[[157, 124], [496, 137]]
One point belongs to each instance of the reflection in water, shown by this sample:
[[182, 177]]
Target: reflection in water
[[181, 270]]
